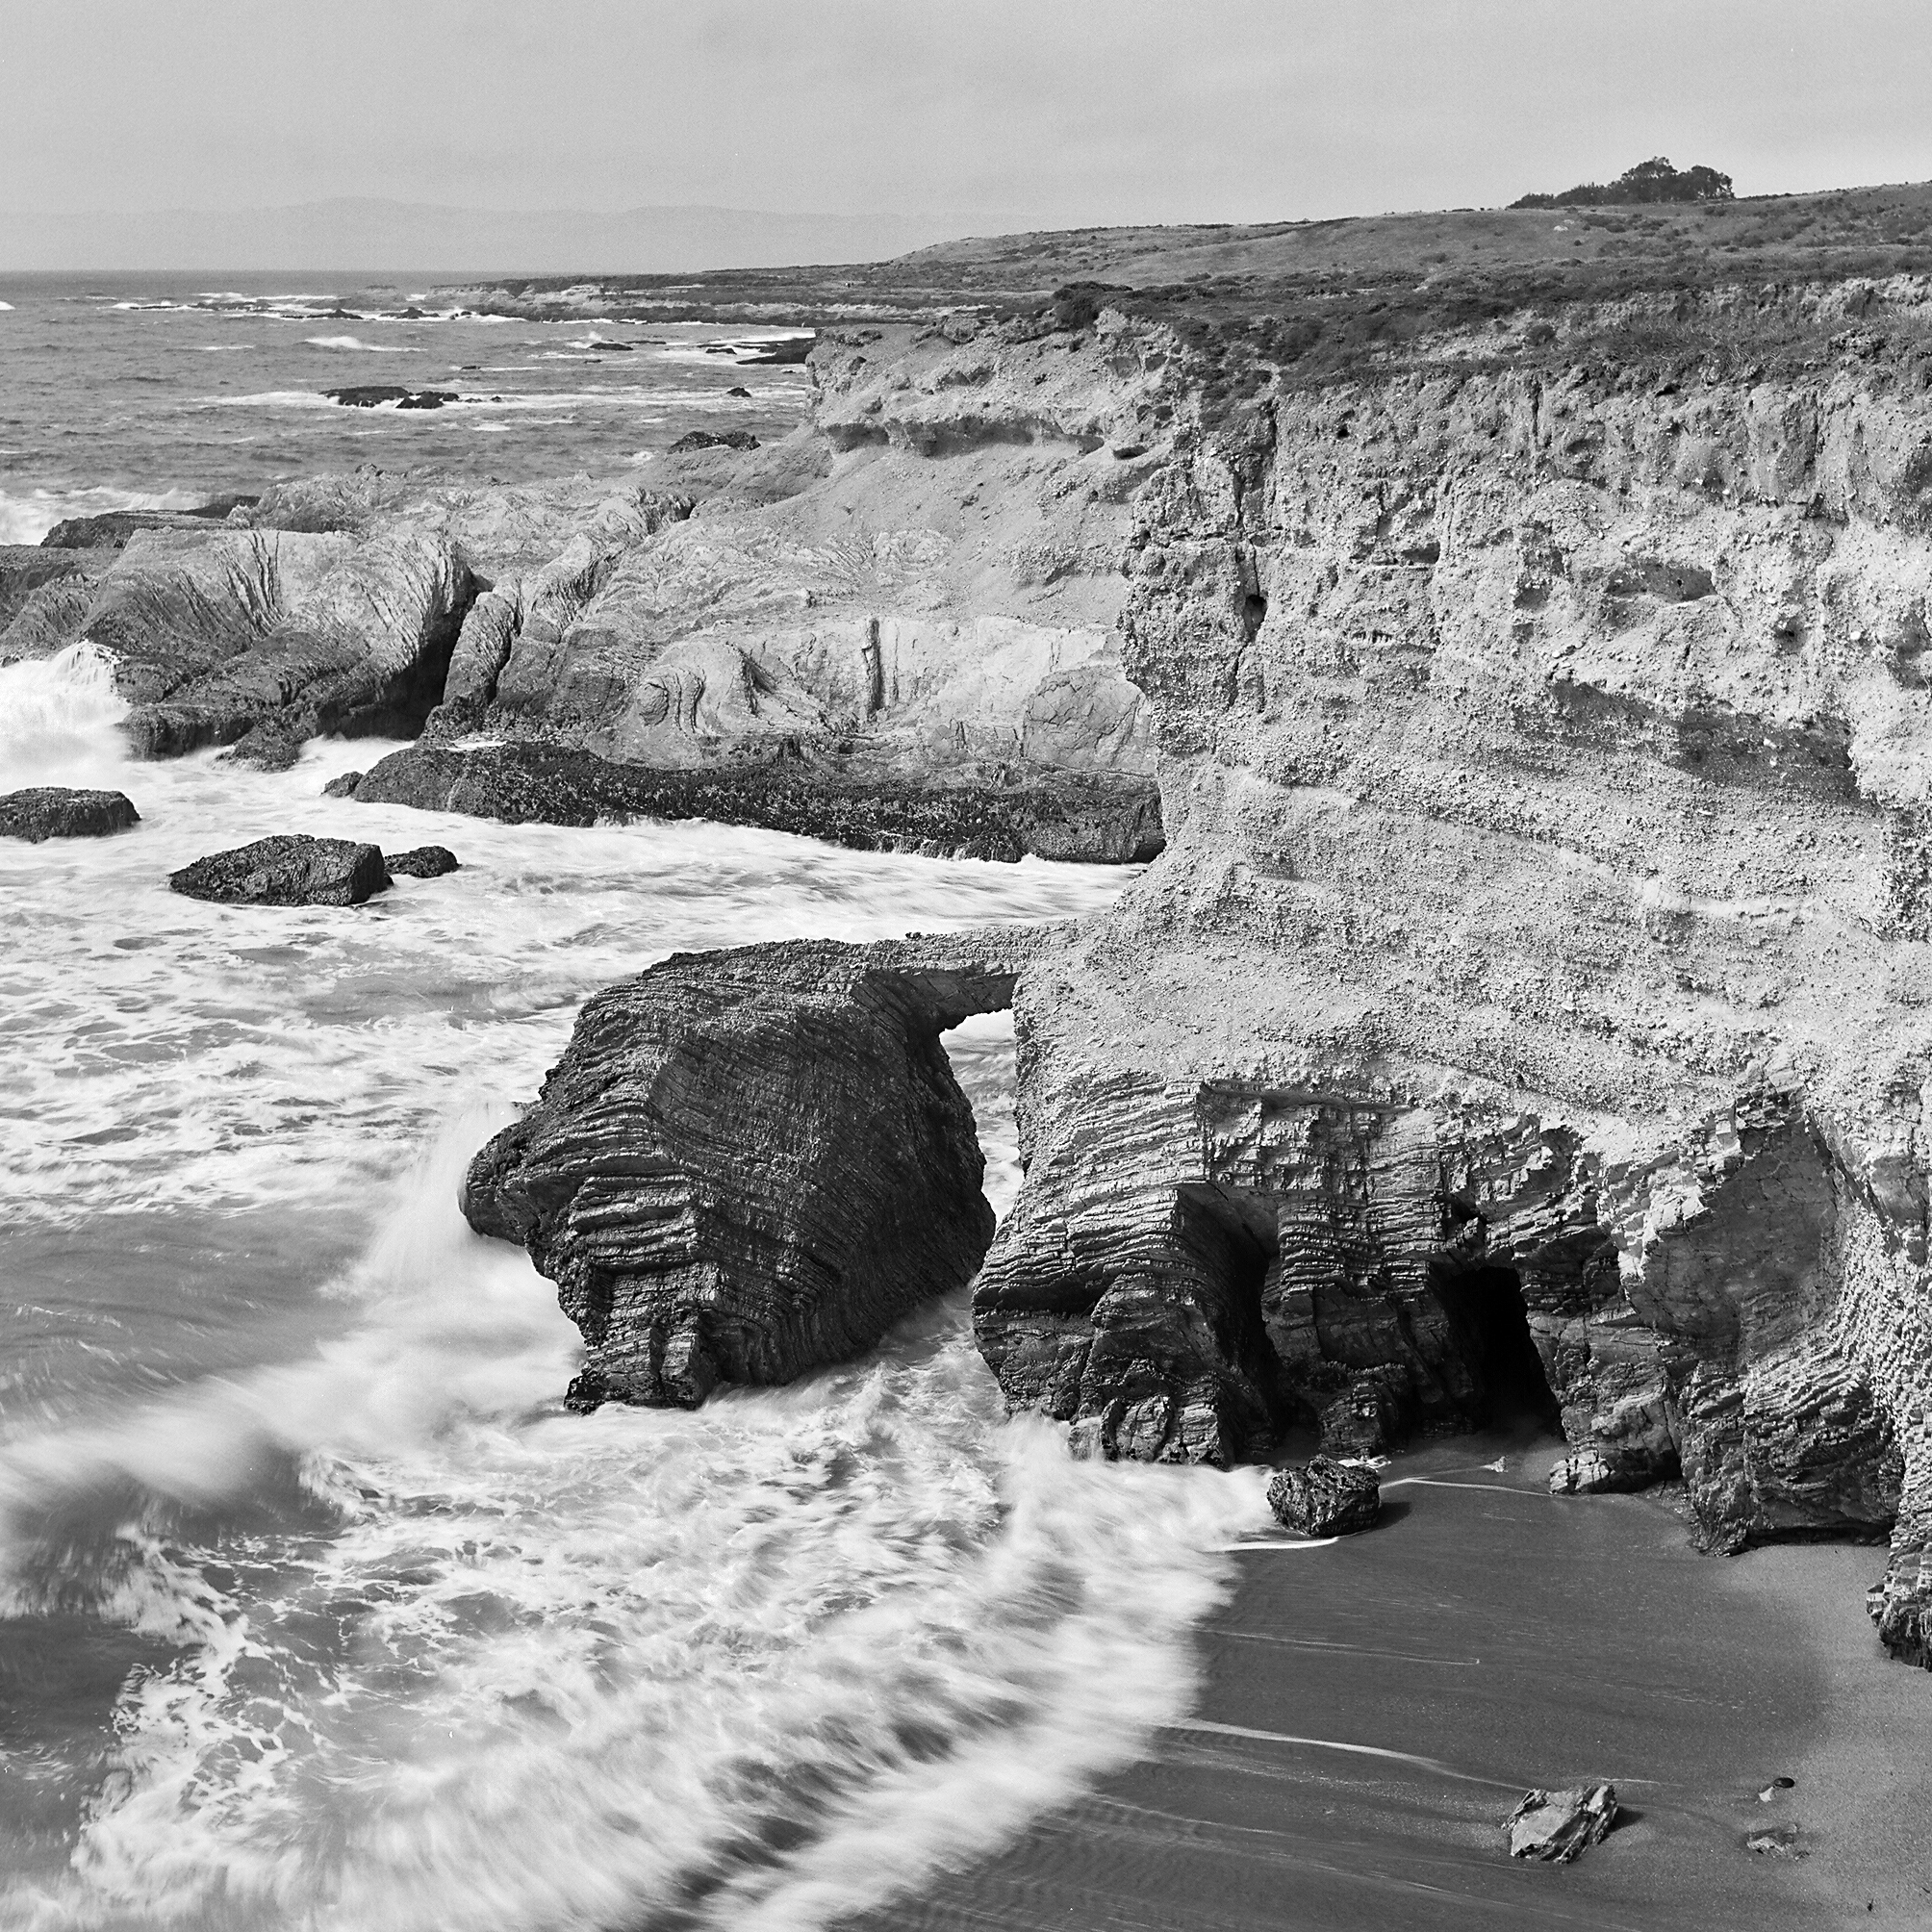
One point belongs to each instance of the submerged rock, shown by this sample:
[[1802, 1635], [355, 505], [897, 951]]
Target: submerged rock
[[371, 394], [1561, 1825], [58, 812], [1327, 1498], [292, 869], [748, 1163], [420, 862]]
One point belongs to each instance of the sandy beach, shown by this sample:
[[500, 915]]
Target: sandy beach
[[1374, 1707]]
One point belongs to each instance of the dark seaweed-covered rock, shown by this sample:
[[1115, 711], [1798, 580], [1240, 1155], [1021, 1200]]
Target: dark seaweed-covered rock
[[420, 862], [292, 869], [57, 812], [748, 1162], [705, 438], [369, 394], [1327, 1498], [1560, 1825], [1098, 818]]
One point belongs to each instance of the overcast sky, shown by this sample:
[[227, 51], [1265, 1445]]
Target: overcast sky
[[984, 114]]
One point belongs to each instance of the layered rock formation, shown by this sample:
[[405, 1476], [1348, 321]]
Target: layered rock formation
[[749, 1163], [257, 637], [1526, 1008]]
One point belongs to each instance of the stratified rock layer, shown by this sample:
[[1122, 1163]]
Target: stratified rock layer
[[60, 812], [257, 637], [290, 869], [748, 1163]]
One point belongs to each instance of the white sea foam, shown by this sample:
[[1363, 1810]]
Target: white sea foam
[[440, 1653], [27, 518], [59, 718], [356, 343]]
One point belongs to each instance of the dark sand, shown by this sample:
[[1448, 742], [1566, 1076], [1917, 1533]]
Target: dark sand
[[1509, 1639]]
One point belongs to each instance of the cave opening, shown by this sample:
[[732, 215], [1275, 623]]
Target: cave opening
[[1486, 1309]]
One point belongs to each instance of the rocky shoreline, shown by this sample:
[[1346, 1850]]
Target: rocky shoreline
[[1528, 710]]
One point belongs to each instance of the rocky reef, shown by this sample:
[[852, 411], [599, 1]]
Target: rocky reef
[[749, 1163]]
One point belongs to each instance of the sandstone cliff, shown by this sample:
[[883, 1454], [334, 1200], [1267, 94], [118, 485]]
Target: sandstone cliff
[[1527, 1009]]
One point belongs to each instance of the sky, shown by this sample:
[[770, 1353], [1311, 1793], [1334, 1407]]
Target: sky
[[979, 115]]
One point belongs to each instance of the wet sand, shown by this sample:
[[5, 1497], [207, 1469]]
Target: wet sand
[[1374, 1708]]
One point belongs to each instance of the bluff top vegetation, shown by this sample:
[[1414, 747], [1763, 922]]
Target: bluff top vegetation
[[1649, 181]]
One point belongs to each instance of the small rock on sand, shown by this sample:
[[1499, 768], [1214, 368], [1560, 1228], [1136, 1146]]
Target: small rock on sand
[[1560, 1825], [1327, 1498]]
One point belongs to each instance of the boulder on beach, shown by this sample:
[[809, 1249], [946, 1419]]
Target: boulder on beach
[[749, 1164], [58, 812], [1560, 1825], [290, 869], [420, 862], [1326, 1497]]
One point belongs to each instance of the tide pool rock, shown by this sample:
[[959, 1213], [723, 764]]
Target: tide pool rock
[[292, 869], [58, 812], [1327, 1498], [1560, 1827], [420, 862], [749, 1164]]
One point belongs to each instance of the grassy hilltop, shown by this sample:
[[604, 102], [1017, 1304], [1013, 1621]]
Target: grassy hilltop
[[1312, 301]]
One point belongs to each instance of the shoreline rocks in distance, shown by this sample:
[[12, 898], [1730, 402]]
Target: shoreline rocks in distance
[[43, 812], [1327, 1498], [749, 1163], [373, 394], [289, 869], [709, 439]]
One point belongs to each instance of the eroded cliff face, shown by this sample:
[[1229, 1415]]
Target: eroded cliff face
[[1540, 945]]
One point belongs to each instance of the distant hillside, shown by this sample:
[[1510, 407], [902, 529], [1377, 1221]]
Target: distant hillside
[[411, 238]]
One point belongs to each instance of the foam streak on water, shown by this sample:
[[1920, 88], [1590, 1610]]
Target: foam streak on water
[[315, 1608]]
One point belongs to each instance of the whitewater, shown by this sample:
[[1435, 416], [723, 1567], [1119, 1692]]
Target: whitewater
[[317, 1609]]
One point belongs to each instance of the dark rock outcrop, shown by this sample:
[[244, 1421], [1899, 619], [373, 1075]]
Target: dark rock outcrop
[[1561, 1825], [420, 862], [1327, 1498], [368, 394], [343, 787], [25, 569], [707, 439], [57, 812], [290, 869], [748, 1163], [1055, 815]]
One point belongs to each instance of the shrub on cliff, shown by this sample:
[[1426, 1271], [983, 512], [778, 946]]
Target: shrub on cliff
[[1652, 180]]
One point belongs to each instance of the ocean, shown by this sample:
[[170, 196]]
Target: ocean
[[161, 391]]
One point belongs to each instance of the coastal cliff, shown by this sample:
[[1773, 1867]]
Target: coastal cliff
[[1526, 676], [1526, 1010]]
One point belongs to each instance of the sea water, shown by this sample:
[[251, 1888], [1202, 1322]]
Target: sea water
[[123, 392], [317, 1609]]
